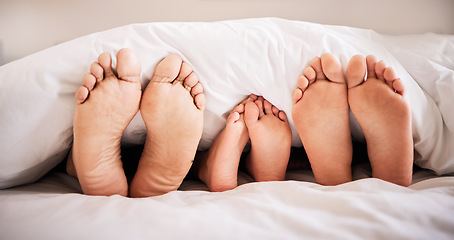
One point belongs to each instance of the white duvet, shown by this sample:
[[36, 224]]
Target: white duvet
[[233, 59]]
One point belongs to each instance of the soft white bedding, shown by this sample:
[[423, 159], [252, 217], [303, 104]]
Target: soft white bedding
[[262, 56]]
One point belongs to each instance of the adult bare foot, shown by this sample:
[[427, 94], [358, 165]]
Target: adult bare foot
[[384, 116], [321, 116], [105, 105], [219, 168], [270, 136], [172, 108]]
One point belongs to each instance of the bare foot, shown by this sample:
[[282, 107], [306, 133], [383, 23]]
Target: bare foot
[[321, 116], [105, 105], [385, 118], [219, 168], [172, 108], [271, 138]]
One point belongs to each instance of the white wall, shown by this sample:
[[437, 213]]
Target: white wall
[[27, 26]]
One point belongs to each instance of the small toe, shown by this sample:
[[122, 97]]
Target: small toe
[[275, 111], [191, 80], [371, 62], [283, 116], [297, 95], [185, 72], [316, 64], [398, 86], [380, 69], [259, 103], [356, 71], [268, 107], [89, 81], [310, 74], [97, 71], [251, 113], [197, 89], [105, 61], [302, 83], [389, 76], [200, 101], [81, 95]]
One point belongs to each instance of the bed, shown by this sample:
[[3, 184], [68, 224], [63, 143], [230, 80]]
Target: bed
[[233, 58]]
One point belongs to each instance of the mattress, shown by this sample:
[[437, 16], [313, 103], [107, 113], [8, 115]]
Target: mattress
[[53, 207]]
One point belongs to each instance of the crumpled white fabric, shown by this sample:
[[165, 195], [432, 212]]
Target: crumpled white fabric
[[233, 59]]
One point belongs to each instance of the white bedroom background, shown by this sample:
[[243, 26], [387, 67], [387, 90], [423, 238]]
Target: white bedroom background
[[27, 26]]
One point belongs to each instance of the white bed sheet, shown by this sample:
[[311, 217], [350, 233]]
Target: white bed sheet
[[366, 208]]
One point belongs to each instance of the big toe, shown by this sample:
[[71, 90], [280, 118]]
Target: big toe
[[356, 71], [168, 69], [332, 68], [128, 66]]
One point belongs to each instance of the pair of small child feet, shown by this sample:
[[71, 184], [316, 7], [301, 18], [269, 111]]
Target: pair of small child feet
[[321, 112], [172, 108]]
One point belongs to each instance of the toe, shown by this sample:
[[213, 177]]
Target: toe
[[239, 108], [332, 68], [251, 113], [233, 117], [196, 90], [398, 86], [356, 70], [310, 74], [268, 107], [275, 111], [316, 64], [389, 76], [252, 97], [380, 69], [371, 63], [185, 72], [128, 66], [296, 96], [200, 101], [168, 69], [190, 81], [81, 95], [259, 103], [303, 82], [105, 61], [97, 71], [89, 81], [283, 116]]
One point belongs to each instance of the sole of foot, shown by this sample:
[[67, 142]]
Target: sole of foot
[[321, 115], [270, 136], [172, 108], [378, 104], [219, 169], [105, 105]]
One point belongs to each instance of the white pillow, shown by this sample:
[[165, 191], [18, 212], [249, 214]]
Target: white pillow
[[232, 58]]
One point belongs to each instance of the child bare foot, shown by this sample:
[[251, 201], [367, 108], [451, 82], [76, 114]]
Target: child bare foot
[[270, 136], [321, 116], [172, 109], [105, 105], [219, 169], [384, 117]]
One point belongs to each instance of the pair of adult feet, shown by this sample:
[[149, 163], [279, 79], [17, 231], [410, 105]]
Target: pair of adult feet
[[321, 105], [172, 108]]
